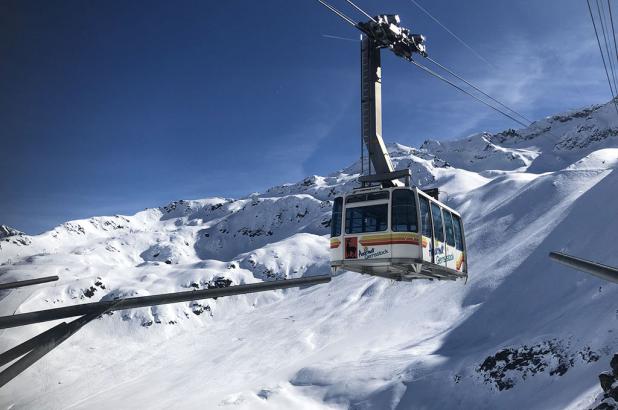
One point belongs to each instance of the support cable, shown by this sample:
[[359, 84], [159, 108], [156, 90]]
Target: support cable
[[433, 73], [455, 36], [611, 20], [361, 10], [607, 48], [340, 14], [602, 56], [477, 89]]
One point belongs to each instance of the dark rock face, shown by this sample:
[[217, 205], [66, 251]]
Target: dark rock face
[[7, 231], [8, 234], [504, 368], [614, 365], [609, 383], [606, 381]]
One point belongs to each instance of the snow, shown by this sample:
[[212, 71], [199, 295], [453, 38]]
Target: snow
[[523, 332]]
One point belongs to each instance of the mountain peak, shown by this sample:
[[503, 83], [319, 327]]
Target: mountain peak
[[7, 231]]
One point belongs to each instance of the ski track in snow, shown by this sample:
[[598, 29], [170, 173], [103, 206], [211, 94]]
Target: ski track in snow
[[524, 332]]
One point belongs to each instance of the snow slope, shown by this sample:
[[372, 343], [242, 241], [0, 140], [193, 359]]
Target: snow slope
[[523, 332]]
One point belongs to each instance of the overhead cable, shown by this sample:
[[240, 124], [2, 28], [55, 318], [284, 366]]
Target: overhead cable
[[596, 33], [340, 14], [361, 10], [611, 20], [455, 36], [477, 89], [607, 48], [433, 73]]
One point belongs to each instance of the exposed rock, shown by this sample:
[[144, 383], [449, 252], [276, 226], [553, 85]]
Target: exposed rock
[[7, 231], [608, 400], [606, 379], [508, 365], [614, 364], [606, 405]]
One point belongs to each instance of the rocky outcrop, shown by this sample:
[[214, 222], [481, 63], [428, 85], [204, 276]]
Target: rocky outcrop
[[8, 234], [608, 400], [7, 231]]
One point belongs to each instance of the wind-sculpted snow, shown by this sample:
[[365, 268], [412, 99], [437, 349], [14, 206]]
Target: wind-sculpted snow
[[299, 255], [523, 332], [261, 221], [547, 145]]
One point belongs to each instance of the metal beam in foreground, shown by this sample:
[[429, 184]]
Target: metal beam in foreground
[[37, 347], [602, 271], [29, 282], [22, 319]]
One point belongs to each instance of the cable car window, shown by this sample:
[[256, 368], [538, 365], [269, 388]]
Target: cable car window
[[335, 224], [371, 196], [363, 219], [436, 214], [403, 213], [374, 196], [448, 227], [425, 217], [458, 233], [355, 198]]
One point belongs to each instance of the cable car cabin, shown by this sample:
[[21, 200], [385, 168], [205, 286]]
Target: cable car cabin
[[399, 233]]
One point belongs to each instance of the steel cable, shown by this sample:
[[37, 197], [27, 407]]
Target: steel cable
[[602, 56], [607, 48], [361, 10], [340, 14], [477, 89], [455, 36], [433, 73]]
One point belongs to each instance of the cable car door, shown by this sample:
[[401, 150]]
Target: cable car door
[[450, 249], [426, 229], [439, 245]]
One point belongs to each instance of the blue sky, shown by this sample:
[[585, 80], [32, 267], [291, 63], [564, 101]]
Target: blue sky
[[111, 106]]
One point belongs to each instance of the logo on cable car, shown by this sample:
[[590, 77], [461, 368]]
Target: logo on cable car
[[447, 258], [369, 253]]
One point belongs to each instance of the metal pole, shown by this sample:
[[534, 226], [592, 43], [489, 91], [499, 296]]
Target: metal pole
[[29, 344], [22, 319], [59, 335], [602, 271], [29, 282]]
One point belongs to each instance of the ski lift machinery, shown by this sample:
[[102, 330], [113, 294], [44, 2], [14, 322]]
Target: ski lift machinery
[[387, 227]]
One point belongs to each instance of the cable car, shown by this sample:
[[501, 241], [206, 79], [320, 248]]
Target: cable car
[[388, 228], [400, 233]]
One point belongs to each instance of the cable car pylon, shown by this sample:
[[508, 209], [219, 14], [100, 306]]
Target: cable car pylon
[[387, 227]]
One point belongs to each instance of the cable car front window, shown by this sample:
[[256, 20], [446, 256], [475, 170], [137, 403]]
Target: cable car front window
[[436, 214], [425, 218], [403, 213], [458, 233], [448, 225], [335, 224], [363, 219], [371, 196]]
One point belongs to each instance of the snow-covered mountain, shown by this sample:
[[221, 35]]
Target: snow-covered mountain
[[523, 332]]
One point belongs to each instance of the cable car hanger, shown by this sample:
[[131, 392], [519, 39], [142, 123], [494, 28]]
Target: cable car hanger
[[387, 227]]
